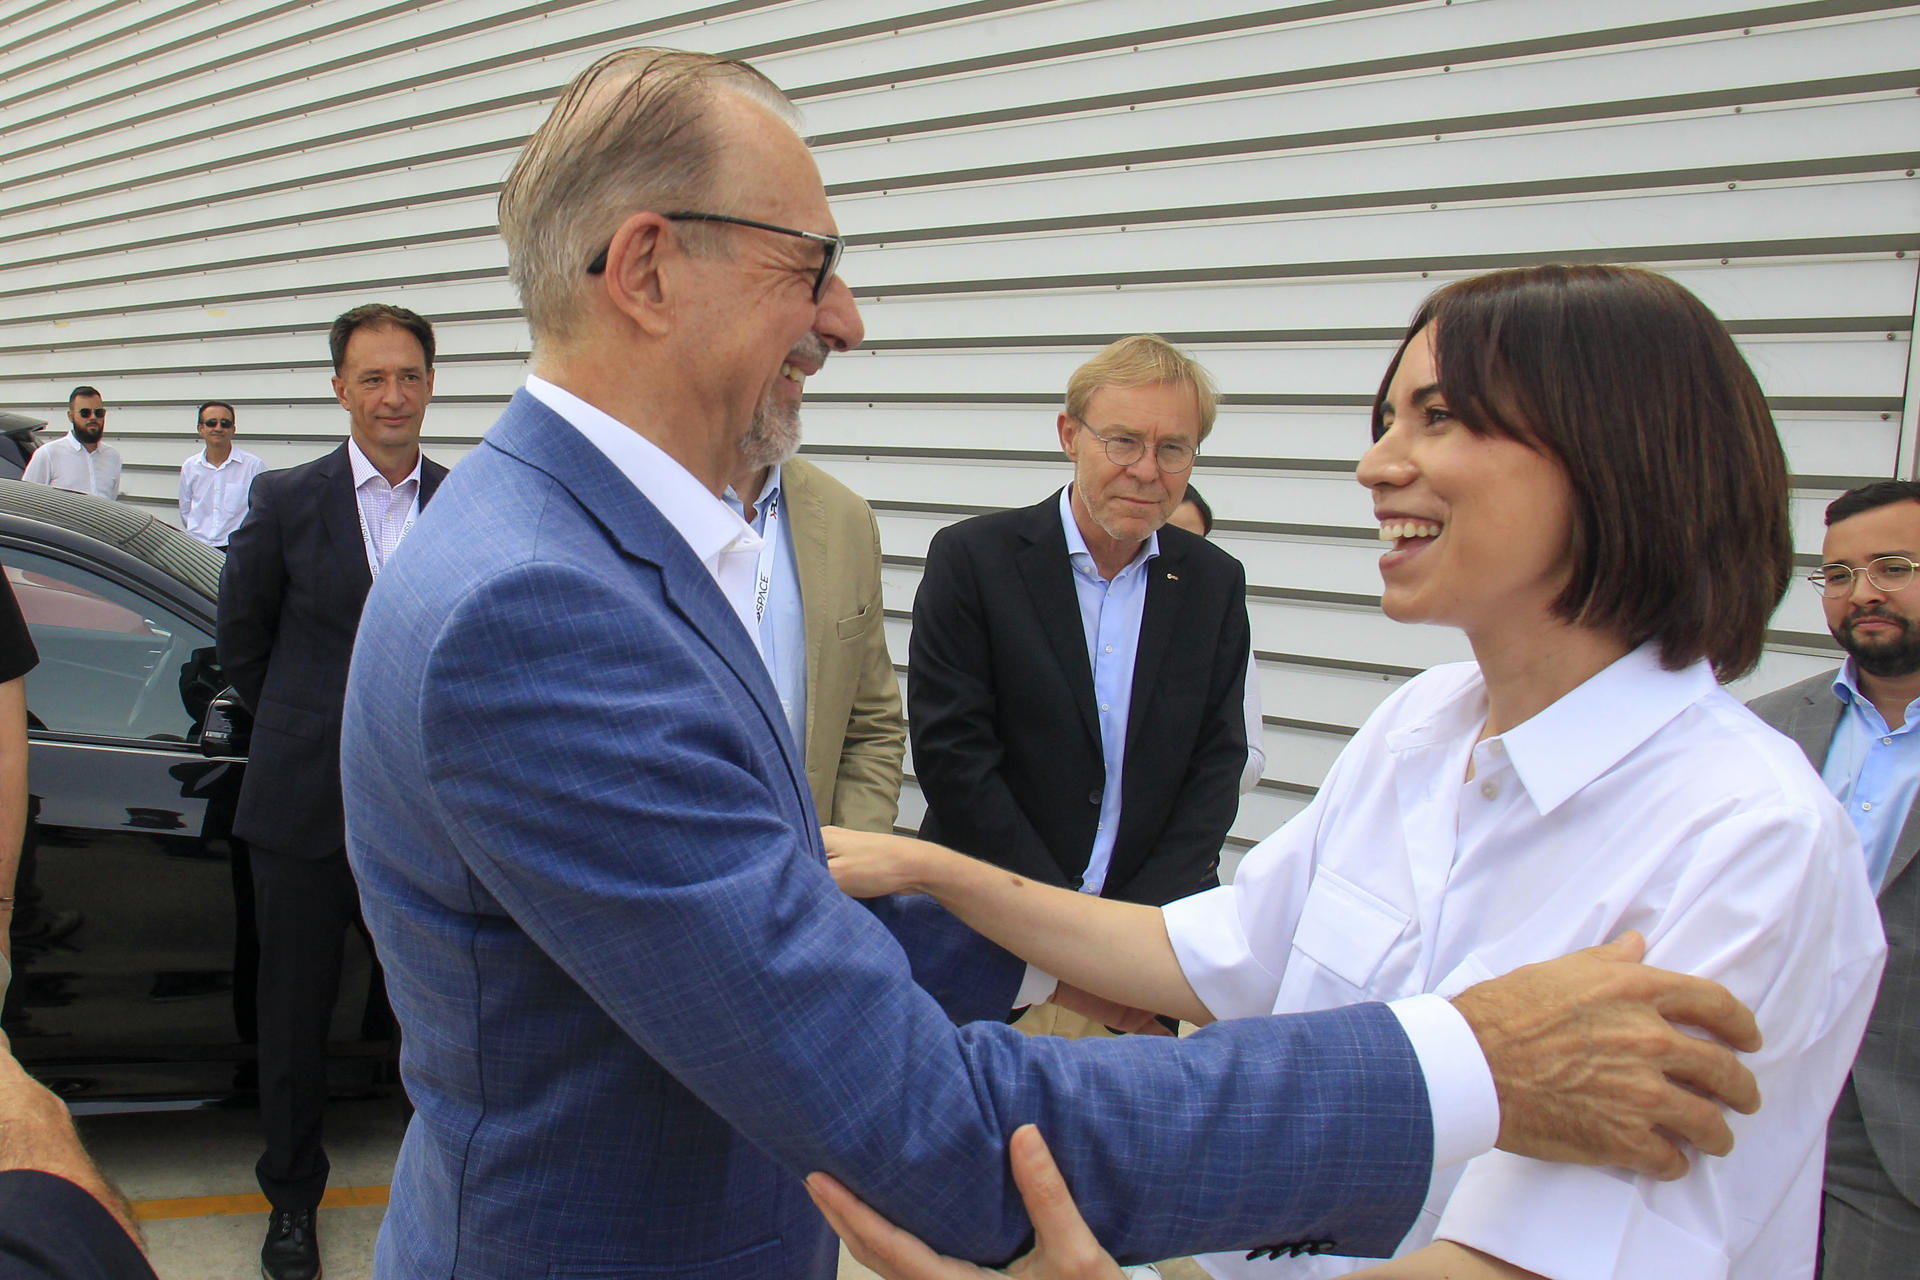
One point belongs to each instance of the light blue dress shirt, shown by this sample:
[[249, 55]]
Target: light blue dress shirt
[[777, 604], [1110, 614], [1874, 770]]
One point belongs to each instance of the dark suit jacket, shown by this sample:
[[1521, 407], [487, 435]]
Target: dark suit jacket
[[52, 1230], [1886, 1075], [1006, 737], [290, 597]]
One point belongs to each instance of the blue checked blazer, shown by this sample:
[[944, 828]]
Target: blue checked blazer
[[636, 1009]]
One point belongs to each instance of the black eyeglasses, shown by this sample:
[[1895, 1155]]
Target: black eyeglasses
[[216, 422], [831, 247], [91, 413], [1172, 457]]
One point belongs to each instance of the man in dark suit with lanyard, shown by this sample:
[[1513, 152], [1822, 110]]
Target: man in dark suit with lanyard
[[298, 570], [1077, 669]]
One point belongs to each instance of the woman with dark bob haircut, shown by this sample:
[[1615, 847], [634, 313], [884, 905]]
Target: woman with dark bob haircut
[[1573, 465]]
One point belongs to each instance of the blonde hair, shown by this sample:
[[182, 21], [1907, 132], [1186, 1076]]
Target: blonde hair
[[1144, 360], [631, 132]]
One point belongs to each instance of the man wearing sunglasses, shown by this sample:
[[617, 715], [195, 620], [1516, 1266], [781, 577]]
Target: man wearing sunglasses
[[78, 461], [1859, 727], [214, 482]]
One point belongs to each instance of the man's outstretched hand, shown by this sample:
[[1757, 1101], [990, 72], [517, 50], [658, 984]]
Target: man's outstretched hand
[[1064, 1249], [1590, 1068]]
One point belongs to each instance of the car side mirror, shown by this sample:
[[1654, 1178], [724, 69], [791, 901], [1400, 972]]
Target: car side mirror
[[228, 727]]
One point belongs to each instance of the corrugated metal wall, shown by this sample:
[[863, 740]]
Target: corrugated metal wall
[[191, 189]]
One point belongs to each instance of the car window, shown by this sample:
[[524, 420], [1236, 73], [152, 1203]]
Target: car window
[[112, 662]]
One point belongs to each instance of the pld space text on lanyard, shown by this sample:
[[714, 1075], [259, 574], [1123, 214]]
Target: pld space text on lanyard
[[763, 577], [366, 534]]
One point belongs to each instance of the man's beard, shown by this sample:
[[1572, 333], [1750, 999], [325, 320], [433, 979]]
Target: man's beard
[[772, 437], [1886, 659], [88, 434]]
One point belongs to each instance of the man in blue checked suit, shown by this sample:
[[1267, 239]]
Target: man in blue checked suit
[[636, 1010]]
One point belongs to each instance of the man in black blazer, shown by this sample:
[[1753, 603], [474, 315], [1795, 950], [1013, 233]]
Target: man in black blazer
[[1077, 669], [298, 570]]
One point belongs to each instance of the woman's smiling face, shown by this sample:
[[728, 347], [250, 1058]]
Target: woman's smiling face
[[1481, 525]]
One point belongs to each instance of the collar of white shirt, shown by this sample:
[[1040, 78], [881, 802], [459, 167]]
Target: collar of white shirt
[[238, 456], [364, 470], [709, 525], [1077, 545], [1582, 735]]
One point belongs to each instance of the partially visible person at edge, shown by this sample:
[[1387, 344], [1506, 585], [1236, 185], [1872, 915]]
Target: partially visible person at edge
[[1196, 516], [17, 657], [635, 1009], [1575, 466], [822, 630], [214, 482], [78, 461], [1856, 727], [59, 1218]]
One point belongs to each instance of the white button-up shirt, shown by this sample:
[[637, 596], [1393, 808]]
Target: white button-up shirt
[[718, 537], [67, 464], [1644, 799], [213, 500]]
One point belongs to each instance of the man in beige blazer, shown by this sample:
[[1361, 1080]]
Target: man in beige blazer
[[818, 577]]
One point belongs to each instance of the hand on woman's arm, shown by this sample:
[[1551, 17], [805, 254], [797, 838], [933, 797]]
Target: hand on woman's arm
[[1064, 1248], [1116, 950]]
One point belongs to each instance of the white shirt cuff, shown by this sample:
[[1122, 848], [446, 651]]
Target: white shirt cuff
[[1038, 988], [1460, 1093]]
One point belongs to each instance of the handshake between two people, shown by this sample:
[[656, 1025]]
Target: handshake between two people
[[1590, 1060]]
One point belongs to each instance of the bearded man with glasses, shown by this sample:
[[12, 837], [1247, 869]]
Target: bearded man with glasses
[[1078, 669], [1856, 726], [78, 461]]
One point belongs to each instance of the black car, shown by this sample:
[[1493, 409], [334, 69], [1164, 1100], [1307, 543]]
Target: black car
[[19, 437], [132, 940]]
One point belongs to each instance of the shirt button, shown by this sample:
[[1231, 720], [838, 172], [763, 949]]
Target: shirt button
[[1099, 826], [1110, 650], [1866, 806], [1103, 706], [1885, 742], [1491, 790], [1094, 797]]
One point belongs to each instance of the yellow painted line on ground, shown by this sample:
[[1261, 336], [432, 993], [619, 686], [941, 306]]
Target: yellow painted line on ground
[[214, 1206]]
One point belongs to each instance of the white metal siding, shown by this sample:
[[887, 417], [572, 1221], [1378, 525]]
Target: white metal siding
[[191, 189]]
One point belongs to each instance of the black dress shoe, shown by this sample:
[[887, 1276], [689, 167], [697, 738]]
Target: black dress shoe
[[292, 1250]]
